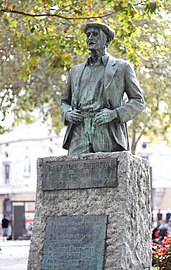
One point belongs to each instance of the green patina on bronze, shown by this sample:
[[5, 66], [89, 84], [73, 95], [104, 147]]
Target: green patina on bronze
[[93, 107]]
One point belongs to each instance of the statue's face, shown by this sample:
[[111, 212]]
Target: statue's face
[[96, 38]]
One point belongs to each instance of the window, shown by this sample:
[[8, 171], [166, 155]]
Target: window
[[8, 208], [27, 167], [7, 173]]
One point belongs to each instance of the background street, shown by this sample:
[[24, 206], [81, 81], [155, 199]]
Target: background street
[[14, 255]]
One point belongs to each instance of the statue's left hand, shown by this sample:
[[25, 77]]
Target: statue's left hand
[[105, 116]]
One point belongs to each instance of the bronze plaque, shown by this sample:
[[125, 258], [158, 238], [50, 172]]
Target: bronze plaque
[[79, 174], [74, 243]]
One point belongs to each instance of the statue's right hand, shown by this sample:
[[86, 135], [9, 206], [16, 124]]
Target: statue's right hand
[[74, 116]]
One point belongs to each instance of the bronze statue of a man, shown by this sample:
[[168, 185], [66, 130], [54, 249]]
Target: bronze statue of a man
[[93, 107]]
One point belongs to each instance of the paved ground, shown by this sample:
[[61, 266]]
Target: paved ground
[[14, 255]]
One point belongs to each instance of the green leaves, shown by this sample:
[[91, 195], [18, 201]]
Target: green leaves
[[40, 40], [151, 7]]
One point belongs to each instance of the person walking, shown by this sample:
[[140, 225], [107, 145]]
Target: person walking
[[159, 217], [5, 224]]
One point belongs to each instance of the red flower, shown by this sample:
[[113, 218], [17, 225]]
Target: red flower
[[161, 250], [166, 240]]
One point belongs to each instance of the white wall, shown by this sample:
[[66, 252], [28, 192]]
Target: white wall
[[25, 144]]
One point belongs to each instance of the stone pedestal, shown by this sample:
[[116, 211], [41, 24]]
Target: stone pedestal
[[117, 199]]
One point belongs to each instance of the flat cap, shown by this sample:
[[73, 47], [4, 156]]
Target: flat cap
[[104, 27]]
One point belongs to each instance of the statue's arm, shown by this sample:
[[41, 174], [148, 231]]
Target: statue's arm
[[128, 110], [135, 103], [68, 113]]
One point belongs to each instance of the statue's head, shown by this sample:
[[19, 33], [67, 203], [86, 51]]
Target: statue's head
[[99, 35]]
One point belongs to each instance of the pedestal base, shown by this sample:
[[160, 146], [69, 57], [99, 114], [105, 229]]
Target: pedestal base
[[118, 190]]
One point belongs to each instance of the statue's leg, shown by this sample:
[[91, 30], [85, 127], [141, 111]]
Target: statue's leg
[[103, 140], [79, 143]]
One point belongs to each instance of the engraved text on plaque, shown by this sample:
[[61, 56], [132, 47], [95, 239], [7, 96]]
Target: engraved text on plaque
[[80, 174], [74, 243]]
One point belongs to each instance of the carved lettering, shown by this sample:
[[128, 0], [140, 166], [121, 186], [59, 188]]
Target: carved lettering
[[80, 174]]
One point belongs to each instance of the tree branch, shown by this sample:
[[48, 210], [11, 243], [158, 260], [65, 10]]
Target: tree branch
[[53, 15]]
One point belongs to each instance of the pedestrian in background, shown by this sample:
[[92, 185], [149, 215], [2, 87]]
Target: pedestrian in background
[[168, 215], [5, 224], [159, 218]]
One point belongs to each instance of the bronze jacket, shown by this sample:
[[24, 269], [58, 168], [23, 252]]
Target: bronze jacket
[[119, 79]]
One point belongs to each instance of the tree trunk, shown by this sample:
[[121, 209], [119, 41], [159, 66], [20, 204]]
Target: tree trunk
[[133, 143]]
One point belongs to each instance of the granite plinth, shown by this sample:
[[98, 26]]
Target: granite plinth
[[125, 206]]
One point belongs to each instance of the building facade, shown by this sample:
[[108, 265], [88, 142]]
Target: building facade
[[19, 151], [159, 157]]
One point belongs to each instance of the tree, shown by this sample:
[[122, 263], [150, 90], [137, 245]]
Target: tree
[[154, 75], [40, 41]]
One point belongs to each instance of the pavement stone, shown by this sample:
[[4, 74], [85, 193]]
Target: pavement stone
[[14, 255]]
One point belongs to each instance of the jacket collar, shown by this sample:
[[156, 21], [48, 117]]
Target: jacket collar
[[104, 60], [110, 71]]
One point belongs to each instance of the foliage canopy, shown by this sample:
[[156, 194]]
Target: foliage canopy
[[40, 40]]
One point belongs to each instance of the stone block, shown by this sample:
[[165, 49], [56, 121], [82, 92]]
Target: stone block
[[124, 201]]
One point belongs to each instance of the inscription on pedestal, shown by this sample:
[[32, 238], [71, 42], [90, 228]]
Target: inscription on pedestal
[[74, 243], [80, 174]]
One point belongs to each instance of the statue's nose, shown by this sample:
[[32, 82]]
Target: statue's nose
[[90, 36]]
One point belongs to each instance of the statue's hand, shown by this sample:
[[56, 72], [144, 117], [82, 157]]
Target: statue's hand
[[105, 116], [74, 116]]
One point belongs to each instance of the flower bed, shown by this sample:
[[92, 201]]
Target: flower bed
[[161, 254]]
